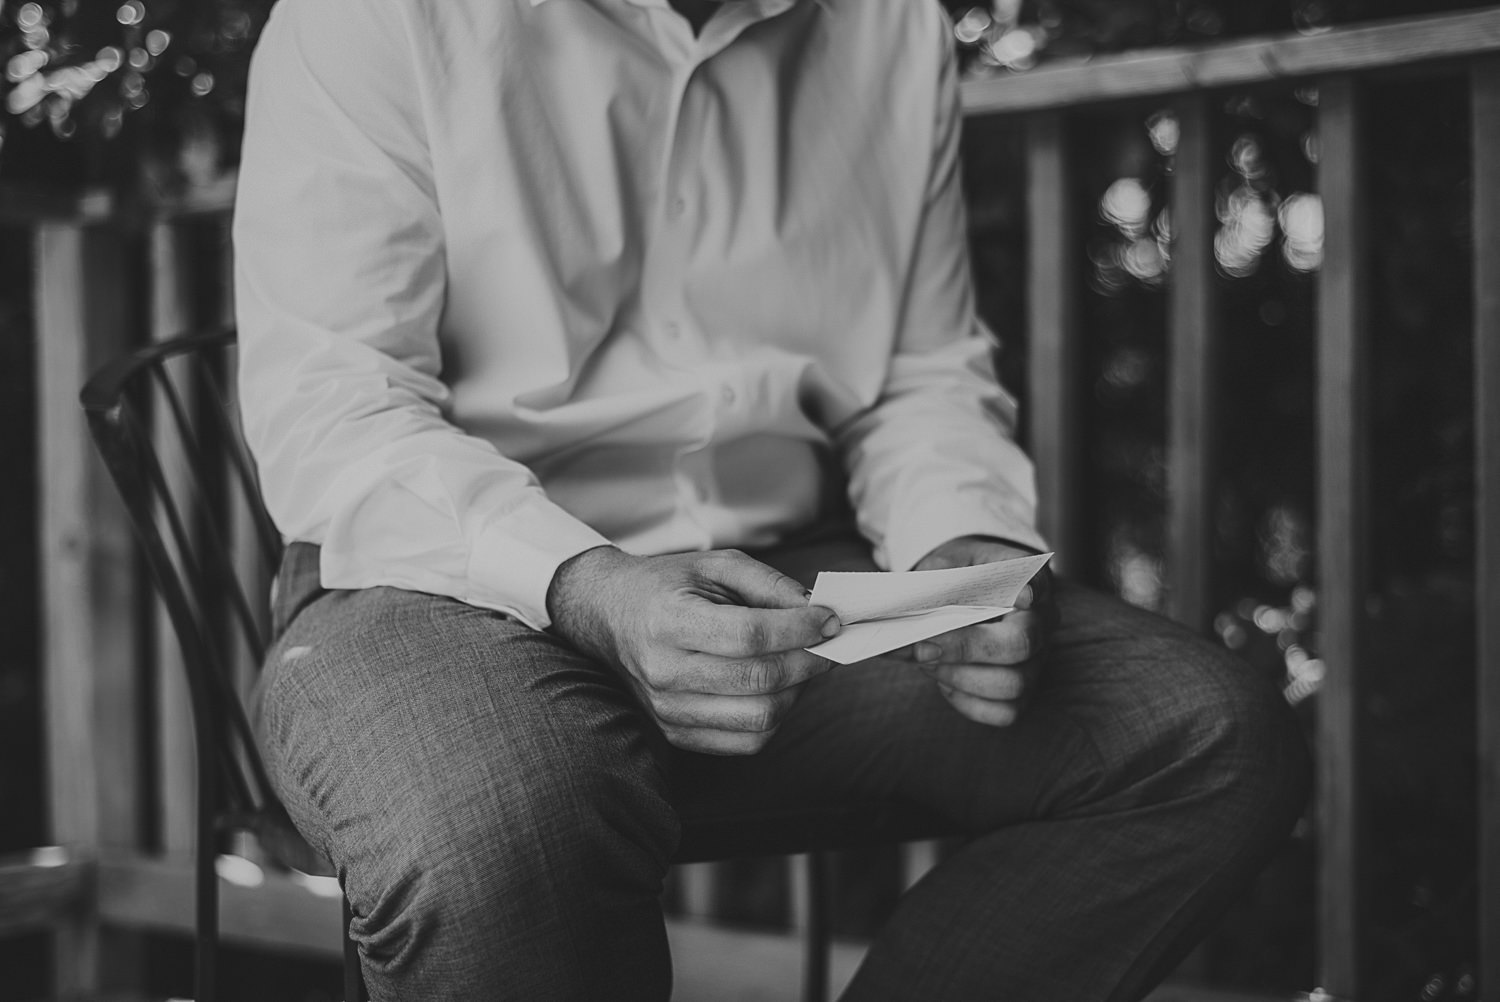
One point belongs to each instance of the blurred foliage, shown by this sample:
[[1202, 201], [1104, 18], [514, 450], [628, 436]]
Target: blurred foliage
[[151, 92], [138, 92]]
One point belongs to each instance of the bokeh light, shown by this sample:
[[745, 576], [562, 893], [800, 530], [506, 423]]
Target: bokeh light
[[1301, 220]]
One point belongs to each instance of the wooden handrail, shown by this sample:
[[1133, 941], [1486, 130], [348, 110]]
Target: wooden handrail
[[1381, 46], [42, 889]]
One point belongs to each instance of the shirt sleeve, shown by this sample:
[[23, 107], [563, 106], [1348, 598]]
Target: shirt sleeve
[[936, 458], [340, 280]]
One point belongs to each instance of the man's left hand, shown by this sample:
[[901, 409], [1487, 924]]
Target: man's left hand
[[986, 670]]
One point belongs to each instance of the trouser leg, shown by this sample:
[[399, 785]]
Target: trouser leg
[[491, 799], [1148, 780]]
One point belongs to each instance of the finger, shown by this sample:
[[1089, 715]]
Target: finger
[[746, 676], [754, 583], [1012, 640], [989, 682], [1037, 591], [711, 742], [982, 711], [923, 652], [738, 714], [733, 631]]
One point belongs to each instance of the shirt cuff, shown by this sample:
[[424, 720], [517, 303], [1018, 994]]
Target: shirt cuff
[[924, 527], [515, 558]]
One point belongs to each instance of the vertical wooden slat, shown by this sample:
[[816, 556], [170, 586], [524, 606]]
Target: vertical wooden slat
[[172, 314], [1053, 336], [88, 574], [700, 884], [1343, 360], [1191, 355], [799, 889], [917, 859], [1486, 155]]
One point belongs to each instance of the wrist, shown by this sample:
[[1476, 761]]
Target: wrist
[[577, 595], [963, 551]]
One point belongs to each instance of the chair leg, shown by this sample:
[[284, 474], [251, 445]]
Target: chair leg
[[206, 943], [817, 936], [354, 987]]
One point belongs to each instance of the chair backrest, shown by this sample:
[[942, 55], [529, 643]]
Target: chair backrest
[[165, 422]]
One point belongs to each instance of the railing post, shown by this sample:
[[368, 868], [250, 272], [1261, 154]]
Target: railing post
[[1052, 336], [1486, 278], [1343, 359], [89, 577], [1191, 357]]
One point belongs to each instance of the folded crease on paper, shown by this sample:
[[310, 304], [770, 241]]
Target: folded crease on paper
[[883, 610]]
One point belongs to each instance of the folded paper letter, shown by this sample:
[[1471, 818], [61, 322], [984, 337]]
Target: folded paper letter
[[884, 610]]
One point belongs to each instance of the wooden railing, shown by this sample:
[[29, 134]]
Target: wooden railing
[[1338, 62], [102, 284]]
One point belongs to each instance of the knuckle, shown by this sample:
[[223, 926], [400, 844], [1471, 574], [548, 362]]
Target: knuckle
[[749, 637], [765, 674], [764, 718], [767, 715], [958, 648], [666, 710], [653, 676], [663, 676]]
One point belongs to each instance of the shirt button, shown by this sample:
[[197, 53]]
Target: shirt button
[[674, 330], [679, 206], [727, 395]]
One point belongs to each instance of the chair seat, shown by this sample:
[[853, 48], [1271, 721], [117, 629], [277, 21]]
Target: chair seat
[[282, 842], [718, 831]]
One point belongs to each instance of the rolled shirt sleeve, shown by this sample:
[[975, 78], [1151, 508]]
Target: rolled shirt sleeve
[[936, 458], [340, 283]]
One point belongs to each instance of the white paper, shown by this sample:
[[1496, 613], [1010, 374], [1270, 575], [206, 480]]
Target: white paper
[[859, 641], [883, 610]]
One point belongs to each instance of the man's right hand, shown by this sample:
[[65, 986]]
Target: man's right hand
[[711, 643]]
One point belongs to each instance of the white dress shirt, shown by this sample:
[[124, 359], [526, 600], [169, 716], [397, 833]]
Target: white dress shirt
[[519, 277]]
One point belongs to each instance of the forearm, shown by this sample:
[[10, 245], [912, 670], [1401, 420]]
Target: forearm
[[935, 458]]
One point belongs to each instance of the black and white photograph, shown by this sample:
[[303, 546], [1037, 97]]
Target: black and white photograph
[[749, 501]]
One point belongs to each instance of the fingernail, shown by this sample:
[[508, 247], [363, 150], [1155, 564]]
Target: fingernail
[[926, 653], [831, 626]]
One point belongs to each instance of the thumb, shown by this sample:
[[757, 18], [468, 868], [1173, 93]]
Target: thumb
[[757, 584]]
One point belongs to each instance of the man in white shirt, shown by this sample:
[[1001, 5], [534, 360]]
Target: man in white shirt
[[543, 305]]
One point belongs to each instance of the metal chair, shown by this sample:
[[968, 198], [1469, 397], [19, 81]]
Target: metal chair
[[212, 551], [210, 548]]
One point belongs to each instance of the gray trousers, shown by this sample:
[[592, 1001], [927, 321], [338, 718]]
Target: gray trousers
[[502, 812]]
